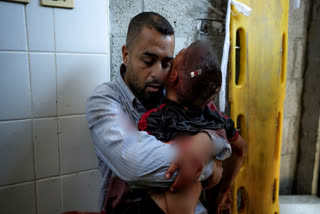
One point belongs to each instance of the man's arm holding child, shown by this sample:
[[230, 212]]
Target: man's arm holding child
[[135, 156]]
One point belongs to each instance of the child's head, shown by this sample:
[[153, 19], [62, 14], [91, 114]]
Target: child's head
[[195, 75]]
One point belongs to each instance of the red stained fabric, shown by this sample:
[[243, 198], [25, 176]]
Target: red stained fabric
[[143, 124]]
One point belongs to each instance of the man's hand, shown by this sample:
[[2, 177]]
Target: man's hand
[[189, 171], [193, 155]]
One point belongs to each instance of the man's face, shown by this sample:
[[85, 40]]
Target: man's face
[[148, 62]]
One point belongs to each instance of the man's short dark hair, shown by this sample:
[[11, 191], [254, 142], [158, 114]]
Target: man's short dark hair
[[199, 75], [151, 20]]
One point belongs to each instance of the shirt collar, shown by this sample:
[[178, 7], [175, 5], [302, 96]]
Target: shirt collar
[[126, 90]]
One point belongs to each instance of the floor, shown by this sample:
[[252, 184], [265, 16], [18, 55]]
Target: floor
[[299, 204]]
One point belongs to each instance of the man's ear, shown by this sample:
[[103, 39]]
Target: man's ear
[[173, 76], [125, 55]]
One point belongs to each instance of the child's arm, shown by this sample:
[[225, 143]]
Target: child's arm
[[217, 163], [231, 168], [232, 165]]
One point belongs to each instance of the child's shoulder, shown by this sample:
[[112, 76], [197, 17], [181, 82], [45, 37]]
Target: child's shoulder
[[213, 108]]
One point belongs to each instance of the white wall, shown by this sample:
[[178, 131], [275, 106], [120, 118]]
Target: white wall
[[50, 61]]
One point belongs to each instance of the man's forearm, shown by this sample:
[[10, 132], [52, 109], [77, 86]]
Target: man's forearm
[[134, 156]]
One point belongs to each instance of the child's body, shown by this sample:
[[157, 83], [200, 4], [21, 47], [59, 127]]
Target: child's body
[[194, 81]]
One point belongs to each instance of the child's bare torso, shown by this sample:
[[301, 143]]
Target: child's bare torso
[[179, 202]]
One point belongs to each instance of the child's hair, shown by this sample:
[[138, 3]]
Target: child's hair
[[199, 74]]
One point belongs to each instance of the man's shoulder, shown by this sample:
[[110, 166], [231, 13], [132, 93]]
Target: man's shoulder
[[107, 89], [107, 92]]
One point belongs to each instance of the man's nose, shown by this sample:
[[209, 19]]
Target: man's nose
[[157, 71]]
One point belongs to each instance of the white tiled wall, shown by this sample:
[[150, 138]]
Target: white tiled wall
[[77, 76], [50, 61], [20, 198], [16, 147], [13, 27], [73, 187], [43, 84], [49, 196], [40, 20], [15, 104], [77, 152], [85, 29], [46, 147]]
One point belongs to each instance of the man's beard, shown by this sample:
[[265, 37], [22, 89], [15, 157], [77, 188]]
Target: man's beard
[[150, 99], [147, 98]]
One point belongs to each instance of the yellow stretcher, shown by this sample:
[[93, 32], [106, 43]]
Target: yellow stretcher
[[257, 76]]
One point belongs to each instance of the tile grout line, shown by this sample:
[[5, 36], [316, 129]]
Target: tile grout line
[[66, 174], [109, 38], [44, 117], [50, 52], [17, 184], [14, 120], [32, 112], [57, 105], [48, 178], [73, 173]]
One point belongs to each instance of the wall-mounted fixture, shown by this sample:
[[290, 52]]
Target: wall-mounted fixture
[[58, 3], [209, 26], [18, 1]]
